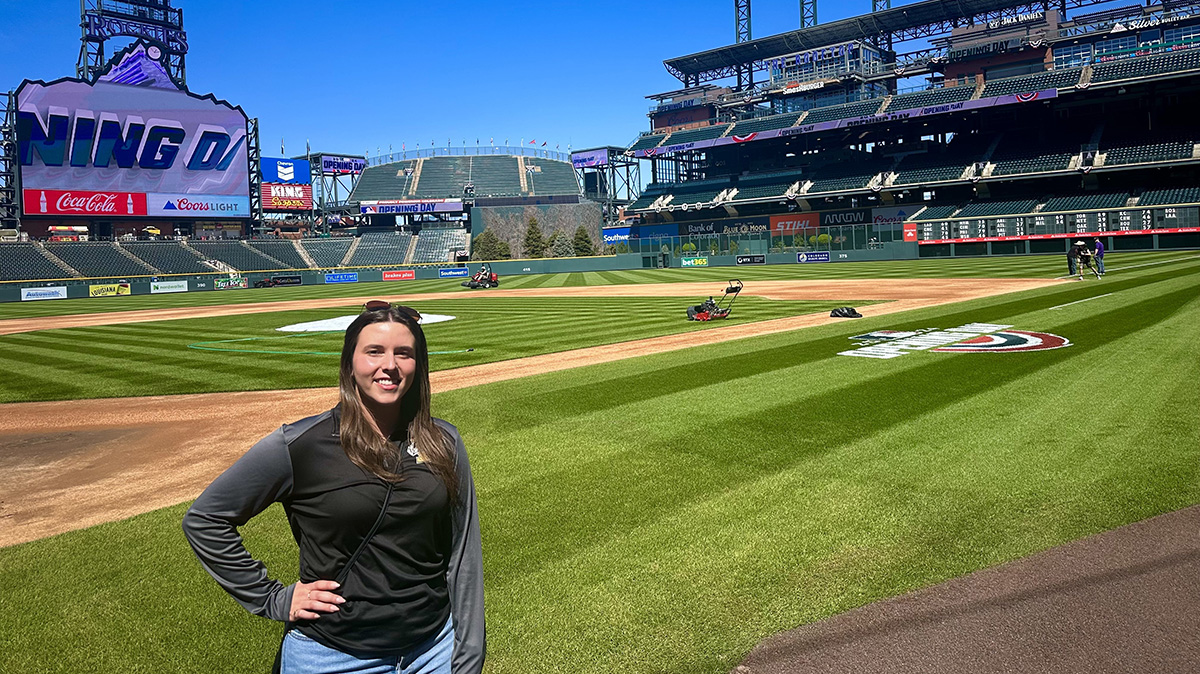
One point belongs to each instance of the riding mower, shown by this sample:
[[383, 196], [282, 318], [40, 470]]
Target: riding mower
[[484, 278], [709, 310]]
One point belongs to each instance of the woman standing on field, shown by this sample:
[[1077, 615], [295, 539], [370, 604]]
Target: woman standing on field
[[381, 502]]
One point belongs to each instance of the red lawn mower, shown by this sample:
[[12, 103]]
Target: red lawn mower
[[708, 310], [484, 278]]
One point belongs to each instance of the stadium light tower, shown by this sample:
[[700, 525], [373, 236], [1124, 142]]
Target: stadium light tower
[[741, 26], [155, 21], [808, 13], [879, 6]]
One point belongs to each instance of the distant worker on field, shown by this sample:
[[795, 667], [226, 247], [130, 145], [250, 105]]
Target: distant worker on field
[[1099, 255], [381, 502], [1073, 260]]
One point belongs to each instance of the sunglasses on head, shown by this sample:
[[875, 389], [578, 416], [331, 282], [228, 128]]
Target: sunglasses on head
[[382, 305]]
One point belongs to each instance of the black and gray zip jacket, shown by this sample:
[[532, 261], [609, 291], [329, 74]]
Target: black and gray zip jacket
[[422, 566]]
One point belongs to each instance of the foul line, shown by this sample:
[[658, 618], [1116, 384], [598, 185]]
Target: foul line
[[1078, 301]]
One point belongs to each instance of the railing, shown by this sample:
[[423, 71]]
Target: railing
[[468, 151]]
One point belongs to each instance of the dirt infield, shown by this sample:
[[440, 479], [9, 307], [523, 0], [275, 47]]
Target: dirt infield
[[70, 465], [1121, 601]]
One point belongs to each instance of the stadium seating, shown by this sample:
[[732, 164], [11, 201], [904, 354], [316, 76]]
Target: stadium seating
[[327, 253], [923, 99], [693, 135], [988, 208], [1051, 79], [284, 251], [929, 168], [846, 111], [1146, 67], [1135, 150], [936, 213], [647, 142], [96, 259], [766, 185], [1084, 202], [434, 244], [492, 175], [652, 192], [166, 256], [749, 126], [23, 261], [1184, 195], [381, 248], [555, 177], [851, 174], [387, 181], [1018, 153], [234, 254]]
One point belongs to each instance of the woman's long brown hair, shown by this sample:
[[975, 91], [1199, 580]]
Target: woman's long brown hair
[[363, 445]]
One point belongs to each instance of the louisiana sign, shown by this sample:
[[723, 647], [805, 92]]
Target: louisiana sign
[[969, 338]]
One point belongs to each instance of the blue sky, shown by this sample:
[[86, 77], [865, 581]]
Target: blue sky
[[355, 76]]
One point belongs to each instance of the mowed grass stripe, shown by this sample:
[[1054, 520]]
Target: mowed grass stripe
[[689, 525], [154, 358], [1041, 266]]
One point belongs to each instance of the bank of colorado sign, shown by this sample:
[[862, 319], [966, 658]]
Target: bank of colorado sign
[[282, 197]]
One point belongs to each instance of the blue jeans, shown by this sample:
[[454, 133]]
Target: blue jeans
[[1100, 264], [302, 655]]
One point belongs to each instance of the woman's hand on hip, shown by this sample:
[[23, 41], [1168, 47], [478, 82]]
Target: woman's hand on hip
[[310, 600]]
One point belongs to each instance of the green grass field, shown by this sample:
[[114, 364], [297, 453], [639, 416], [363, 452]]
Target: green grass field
[[666, 513], [1044, 266]]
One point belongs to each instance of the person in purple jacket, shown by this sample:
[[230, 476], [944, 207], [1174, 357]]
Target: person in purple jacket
[[1099, 255]]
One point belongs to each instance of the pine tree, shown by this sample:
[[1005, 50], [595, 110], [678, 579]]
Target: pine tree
[[535, 243], [488, 246], [583, 243], [562, 246]]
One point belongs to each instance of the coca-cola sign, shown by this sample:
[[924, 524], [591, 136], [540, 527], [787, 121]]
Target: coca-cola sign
[[80, 202]]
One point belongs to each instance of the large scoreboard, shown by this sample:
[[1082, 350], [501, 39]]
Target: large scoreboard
[[1125, 221]]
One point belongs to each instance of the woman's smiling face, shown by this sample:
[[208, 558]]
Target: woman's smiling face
[[384, 363]]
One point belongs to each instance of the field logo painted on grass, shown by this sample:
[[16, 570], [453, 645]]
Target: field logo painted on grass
[[343, 322], [969, 338]]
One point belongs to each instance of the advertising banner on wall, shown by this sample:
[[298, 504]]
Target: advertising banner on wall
[[335, 165], [168, 287], [693, 262], [50, 293], [342, 277], [791, 224], [286, 171], [454, 273], [112, 149], [277, 197], [287, 280], [400, 275], [411, 206], [230, 283], [910, 231], [822, 256], [614, 235], [752, 259], [860, 216], [109, 290], [589, 158], [892, 216]]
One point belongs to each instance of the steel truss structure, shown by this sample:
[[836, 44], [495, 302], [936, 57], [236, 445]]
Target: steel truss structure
[[254, 154], [885, 26], [10, 192], [155, 21], [616, 183]]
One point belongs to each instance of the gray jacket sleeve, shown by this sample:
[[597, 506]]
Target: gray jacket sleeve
[[465, 574], [262, 476]]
